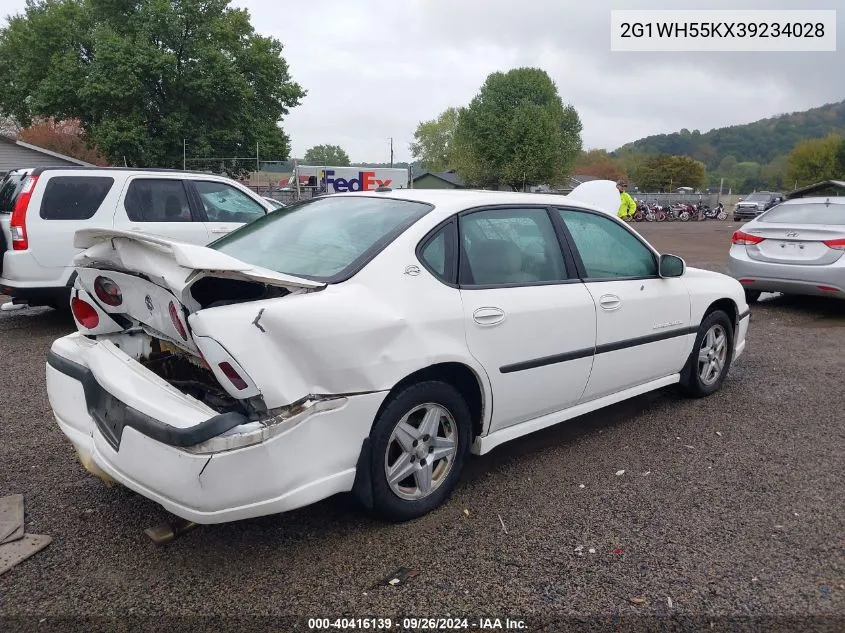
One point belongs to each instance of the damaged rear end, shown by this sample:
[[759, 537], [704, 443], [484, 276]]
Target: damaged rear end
[[144, 320]]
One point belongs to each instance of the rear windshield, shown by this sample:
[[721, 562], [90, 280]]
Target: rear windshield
[[324, 239], [814, 213], [74, 197], [9, 188]]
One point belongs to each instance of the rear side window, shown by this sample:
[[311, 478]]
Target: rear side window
[[9, 189], [74, 197], [157, 200]]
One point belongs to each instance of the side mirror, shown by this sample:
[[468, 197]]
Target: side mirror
[[671, 266]]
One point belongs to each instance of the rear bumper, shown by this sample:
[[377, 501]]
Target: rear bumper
[[136, 429], [826, 281]]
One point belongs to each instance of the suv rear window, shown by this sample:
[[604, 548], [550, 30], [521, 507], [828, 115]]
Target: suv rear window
[[74, 197], [9, 189]]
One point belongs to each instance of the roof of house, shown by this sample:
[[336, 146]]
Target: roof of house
[[46, 152], [447, 176], [817, 187]]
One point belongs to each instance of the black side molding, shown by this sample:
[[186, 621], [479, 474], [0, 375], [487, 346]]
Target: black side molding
[[600, 349], [743, 315], [112, 416]]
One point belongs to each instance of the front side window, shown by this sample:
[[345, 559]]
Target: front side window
[[74, 197], [510, 246], [608, 250], [157, 200], [224, 203], [324, 238]]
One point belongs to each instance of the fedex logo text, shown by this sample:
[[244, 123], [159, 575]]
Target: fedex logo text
[[366, 181]]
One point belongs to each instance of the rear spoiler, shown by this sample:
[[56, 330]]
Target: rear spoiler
[[197, 259]]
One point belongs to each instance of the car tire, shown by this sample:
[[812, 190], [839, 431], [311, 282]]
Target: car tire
[[752, 296], [400, 449], [698, 378]]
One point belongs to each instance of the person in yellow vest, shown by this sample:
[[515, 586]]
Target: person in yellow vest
[[627, 206]]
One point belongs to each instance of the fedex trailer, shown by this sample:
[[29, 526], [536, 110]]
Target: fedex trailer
[[345, 179]]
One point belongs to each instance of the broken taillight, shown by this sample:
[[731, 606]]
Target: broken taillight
[[108, 291], [84, 313], [743, 238], [177, 322], [233, 376], [17, 223]]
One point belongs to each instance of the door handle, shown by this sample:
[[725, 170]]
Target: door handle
[[610, 302], [488, 316]]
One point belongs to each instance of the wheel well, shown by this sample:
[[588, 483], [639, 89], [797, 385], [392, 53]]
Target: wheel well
[[459, 376], [725, 305]]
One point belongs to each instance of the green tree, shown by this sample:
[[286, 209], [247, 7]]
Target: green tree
[[667, 173], [815, 160], [516, 132], [840, 160], [142, 75], [433, 141], [773, 175], [598, 163], [328, 155]]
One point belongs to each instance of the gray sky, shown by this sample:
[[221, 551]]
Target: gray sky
[[375, 68]]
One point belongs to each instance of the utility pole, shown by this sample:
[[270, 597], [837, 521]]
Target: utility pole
[[391, 151]]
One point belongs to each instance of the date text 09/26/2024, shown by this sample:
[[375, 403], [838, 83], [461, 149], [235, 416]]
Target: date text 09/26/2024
[[416, 624]]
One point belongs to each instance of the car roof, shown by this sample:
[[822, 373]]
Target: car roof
[[447, 202], [153, 170]]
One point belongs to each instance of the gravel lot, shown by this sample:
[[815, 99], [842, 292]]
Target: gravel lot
[[729, 506]]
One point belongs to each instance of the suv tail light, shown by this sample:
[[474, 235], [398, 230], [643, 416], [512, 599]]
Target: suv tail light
[[743, 238], [84, 313], [17, 224], [837, 245], [107, 291]]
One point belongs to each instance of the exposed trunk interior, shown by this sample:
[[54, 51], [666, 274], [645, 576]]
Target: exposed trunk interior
[[211, 292]]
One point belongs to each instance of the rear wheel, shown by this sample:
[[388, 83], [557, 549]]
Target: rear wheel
[[419, 445], [752, 296], [711, 356]]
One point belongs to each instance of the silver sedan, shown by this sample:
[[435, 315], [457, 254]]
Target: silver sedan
[[796, 247]]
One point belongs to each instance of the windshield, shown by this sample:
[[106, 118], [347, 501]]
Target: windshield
[[812, 213], [758, 197], [322, 239]]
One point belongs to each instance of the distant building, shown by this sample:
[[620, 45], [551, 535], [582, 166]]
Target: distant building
[[825, 188], [17, 155], [439, 180]]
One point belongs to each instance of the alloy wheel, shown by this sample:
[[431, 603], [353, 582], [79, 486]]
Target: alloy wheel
[[421, 451], [712, 355]]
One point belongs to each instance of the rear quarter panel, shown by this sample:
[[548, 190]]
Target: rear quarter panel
[[365, 334]]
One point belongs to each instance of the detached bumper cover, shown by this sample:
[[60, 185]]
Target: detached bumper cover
[[112, 416]]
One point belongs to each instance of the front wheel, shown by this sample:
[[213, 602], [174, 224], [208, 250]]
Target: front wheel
[[723, 215], [684, 217], [419, 445], [711, 356]]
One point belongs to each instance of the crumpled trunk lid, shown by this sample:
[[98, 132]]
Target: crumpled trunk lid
[[155, 277]]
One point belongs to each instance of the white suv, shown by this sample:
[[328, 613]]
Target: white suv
[[41, 209]]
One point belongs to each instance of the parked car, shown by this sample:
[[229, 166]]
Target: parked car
[[274, 204], [795, 248], [40, 209], [755, 204], [368, 342]]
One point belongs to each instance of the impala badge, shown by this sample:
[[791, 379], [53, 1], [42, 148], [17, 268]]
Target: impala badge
[[148, 300], [660, 326]]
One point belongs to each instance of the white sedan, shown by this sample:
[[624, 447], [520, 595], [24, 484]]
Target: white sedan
[[368, 342]]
